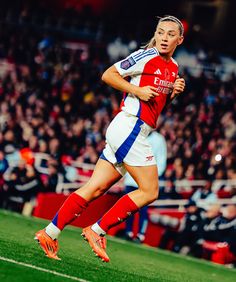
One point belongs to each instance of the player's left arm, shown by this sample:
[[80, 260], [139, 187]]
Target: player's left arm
[[178, 88]]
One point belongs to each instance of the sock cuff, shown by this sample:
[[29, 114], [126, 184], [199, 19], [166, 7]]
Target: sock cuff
[[96, 228], [122, 209], [53, 231], [79, 200], [130, 203]]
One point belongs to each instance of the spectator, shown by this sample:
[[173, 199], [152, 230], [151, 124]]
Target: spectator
[[205, 194], [22, 182], [218, 228], [3, 167], [184, 237], [52, 179], [187, 233], [3, 164]]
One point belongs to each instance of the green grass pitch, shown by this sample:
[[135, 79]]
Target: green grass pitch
[[21, 259]]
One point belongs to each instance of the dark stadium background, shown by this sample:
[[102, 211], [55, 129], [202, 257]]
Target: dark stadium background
[[209, 22]]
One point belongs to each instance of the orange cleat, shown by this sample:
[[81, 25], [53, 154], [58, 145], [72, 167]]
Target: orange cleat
[[96, 242], [49, 246]]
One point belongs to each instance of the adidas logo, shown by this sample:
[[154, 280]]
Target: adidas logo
[[120, 219], [149, 158], [157, 71]]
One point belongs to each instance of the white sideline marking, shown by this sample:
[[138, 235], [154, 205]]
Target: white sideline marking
[[43, 270]]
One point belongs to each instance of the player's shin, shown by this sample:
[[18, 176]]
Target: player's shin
[[72, 208], [122, 209]]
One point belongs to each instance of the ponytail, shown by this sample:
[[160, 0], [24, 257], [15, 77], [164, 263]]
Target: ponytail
[[150, 44]]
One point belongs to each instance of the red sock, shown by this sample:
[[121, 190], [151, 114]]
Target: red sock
[[123, 208], [71, 208]]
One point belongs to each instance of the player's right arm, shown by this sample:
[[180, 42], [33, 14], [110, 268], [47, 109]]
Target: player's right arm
[[131, 66], [113, 78]]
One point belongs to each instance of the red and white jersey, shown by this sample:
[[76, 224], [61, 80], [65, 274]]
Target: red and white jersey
[[147, 67]]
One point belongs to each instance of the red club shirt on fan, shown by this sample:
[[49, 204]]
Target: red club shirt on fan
[[147, 68]]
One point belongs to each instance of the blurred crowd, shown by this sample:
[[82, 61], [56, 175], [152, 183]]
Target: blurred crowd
[[53, 102], [201, 232]]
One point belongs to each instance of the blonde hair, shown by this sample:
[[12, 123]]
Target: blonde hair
[[152, 41]]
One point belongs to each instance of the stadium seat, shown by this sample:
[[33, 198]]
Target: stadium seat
[[218, 252]]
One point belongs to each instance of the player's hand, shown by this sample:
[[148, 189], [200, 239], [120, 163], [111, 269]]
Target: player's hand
[[178, 87], [146, 93]]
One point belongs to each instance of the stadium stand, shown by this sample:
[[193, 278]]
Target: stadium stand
[[54, 111]]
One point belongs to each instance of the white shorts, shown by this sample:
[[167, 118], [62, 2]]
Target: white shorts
[[126, 142]]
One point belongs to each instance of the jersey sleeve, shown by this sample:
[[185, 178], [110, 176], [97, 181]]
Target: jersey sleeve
[[134, 63]]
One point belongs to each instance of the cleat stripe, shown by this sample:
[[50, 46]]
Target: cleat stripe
[[97, 245]]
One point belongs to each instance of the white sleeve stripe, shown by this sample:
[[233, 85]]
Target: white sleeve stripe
[[141, 53], [144, 52], [136, 55], [150, 54]]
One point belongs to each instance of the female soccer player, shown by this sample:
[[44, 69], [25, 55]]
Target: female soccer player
[[153, 82]]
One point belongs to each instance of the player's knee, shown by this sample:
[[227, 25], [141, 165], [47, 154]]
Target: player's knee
[[151, 193], [92, 191], [99, 191], [153, 196]]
